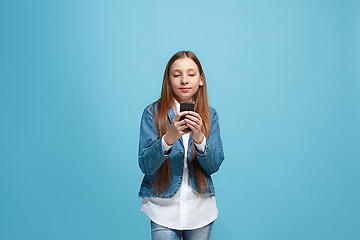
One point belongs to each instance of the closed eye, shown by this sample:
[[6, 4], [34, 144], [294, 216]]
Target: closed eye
[[191, 75]]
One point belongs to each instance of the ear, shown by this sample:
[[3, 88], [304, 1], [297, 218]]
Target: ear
[[201, 80]]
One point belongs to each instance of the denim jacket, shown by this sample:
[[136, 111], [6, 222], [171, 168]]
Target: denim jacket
[[151, 155]]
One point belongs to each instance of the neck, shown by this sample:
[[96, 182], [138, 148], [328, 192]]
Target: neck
[[183, 99]]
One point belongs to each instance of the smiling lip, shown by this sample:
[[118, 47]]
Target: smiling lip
[[184, 89]]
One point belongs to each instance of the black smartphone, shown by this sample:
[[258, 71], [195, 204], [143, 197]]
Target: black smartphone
[[186, 106]]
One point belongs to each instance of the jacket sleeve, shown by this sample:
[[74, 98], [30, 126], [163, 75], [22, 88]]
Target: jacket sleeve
[[151, 155], [213, 155]]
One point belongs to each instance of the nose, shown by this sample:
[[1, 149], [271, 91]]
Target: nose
[[184, 80]]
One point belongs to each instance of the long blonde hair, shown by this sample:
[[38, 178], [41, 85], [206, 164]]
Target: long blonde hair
[[163, 177]]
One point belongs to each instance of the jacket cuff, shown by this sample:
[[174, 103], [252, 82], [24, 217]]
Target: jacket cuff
[[201, 146], [165, 147]]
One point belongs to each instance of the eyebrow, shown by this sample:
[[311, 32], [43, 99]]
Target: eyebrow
[[190, 69]]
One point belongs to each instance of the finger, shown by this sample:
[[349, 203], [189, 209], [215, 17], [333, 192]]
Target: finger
[[195, 114], [193, 129], [182, 122], [180, 114], [194, 119], [182, 129], [187, 122], [192, 124], [184, 132]]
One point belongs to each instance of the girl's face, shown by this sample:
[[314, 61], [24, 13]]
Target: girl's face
[[185, 79]]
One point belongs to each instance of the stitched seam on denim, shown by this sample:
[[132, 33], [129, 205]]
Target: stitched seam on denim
[[204, 155], [211, 168], [160, 162], [166, 195], [150, 114], [152, 194]]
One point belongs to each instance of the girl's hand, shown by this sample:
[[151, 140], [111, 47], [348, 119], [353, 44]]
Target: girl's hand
[[194, 121], [177, 129]]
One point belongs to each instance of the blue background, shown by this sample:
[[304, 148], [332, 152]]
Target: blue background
[[76, 76]]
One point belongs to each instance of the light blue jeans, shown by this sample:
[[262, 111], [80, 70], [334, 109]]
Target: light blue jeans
[[159, 232]]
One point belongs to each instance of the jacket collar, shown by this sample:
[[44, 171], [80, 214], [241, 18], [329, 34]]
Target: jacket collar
[[171, 114]]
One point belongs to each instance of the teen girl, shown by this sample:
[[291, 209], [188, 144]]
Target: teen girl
[[177, 189]]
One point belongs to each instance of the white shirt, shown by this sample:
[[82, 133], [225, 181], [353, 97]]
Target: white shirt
[[185, 210]]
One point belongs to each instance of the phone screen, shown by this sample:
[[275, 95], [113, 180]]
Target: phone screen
[[186, 106]]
